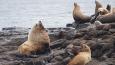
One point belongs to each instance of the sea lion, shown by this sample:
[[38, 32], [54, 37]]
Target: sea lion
[[38, 41], [82, 57], [78, 16], [107, 18], [98, 5], [103, 11]]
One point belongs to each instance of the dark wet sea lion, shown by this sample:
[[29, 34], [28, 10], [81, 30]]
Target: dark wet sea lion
[[78, 16], [98, 5], [107, 18]]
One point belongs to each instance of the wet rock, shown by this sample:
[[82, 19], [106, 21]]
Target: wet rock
[[78, 35], [70, 34], [69, 25], [72, 49], [16, 41], [63, 48], [93, 62], [102, 32], [112, 30], [80, 26], [15, 31], [57, 58], [57, 43]]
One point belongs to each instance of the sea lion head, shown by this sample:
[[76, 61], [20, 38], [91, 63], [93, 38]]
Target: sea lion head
[[75, 4], [38, 27], [85, 48], [103, 11]]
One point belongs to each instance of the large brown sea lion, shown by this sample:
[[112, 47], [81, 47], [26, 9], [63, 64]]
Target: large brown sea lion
[[38, 40], [82, 57], [107, 18], [78, 16]]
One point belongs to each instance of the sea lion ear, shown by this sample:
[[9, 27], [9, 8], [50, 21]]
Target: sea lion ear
[[75, 4], [108, 7], [41, 25]]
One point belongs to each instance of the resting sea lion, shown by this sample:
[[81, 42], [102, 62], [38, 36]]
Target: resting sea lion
[[107, 18], [103, 11], [82, 57]]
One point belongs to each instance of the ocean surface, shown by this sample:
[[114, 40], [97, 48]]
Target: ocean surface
[[53, 13]]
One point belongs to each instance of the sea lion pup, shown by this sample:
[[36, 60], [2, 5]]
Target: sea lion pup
[[107, 18], [82, 57], [38, 41], [78, 16], [98, 5]]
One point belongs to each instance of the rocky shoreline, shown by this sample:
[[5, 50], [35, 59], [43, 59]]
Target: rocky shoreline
[[65, 44]]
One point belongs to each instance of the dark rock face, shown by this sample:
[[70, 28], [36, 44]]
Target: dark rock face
[[63, 48]]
